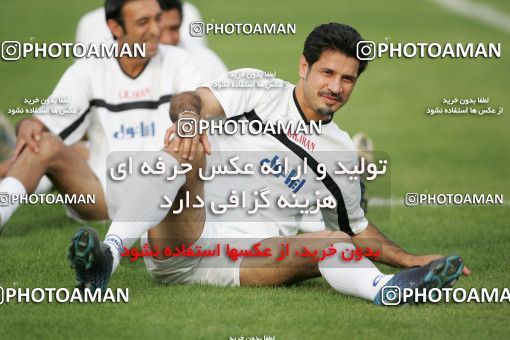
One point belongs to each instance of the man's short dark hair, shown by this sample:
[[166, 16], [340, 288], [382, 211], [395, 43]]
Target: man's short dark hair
[[168, 5], [113, 10], [336, 37]]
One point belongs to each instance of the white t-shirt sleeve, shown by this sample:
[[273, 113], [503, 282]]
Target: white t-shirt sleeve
[[244, 90], [208, 62], [92, 28], [190, 14], [65, 113], [188, 76]]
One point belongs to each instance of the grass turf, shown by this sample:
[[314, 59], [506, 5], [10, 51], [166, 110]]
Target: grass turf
[[438, 154]]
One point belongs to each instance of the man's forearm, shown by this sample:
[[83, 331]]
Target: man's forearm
[[186, 101], [390, 252]]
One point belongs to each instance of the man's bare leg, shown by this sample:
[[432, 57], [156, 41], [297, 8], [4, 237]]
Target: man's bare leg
[[361, 278], [95, 261], [186, 227], [137, 212], [267, 271], [355, 278], [68, 171], [45, 183]]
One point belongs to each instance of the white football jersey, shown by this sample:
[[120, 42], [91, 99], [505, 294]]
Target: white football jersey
[[117, 112], [190, 13], [92, 28], [274, 100]]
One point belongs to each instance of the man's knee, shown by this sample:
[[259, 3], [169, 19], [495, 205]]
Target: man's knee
[[199, 161], [50, 147]]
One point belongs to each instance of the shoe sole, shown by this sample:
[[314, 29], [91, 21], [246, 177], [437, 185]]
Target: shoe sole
[[83, 250], [443, 274], [446, 272]]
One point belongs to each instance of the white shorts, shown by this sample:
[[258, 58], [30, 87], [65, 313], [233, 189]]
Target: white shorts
[[218, 270]]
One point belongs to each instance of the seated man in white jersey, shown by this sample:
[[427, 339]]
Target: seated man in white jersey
[[328, 71], [92, 28], [120, 103], [175, 23]]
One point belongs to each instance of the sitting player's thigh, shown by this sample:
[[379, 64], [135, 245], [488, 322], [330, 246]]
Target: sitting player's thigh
[[186, 226], [72, 175], [277, 269], [81, 147]]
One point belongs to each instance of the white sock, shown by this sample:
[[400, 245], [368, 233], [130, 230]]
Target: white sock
[[9, 188], [124, 234], [355, 278], [139, 209], [44, 186]]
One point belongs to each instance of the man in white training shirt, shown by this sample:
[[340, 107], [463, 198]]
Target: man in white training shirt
[[92, 28], [328, 71], [121, 103], [175, 23]]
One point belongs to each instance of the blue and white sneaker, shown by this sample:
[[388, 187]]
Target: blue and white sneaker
[[440, 273], [91, 259]]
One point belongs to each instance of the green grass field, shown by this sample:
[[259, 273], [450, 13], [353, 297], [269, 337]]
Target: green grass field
[[442, 154]]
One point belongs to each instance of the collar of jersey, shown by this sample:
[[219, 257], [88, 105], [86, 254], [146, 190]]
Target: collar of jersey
[[138, 75], [324, 122]]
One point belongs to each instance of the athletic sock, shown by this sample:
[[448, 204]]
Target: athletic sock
[[9, 188], [124, 234], [44, 185], [139, 209], [356, 278]]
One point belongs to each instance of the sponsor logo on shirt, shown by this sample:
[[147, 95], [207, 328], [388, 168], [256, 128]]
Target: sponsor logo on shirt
[[289, 179], [134, 94], [303, 140], [142, 130]]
